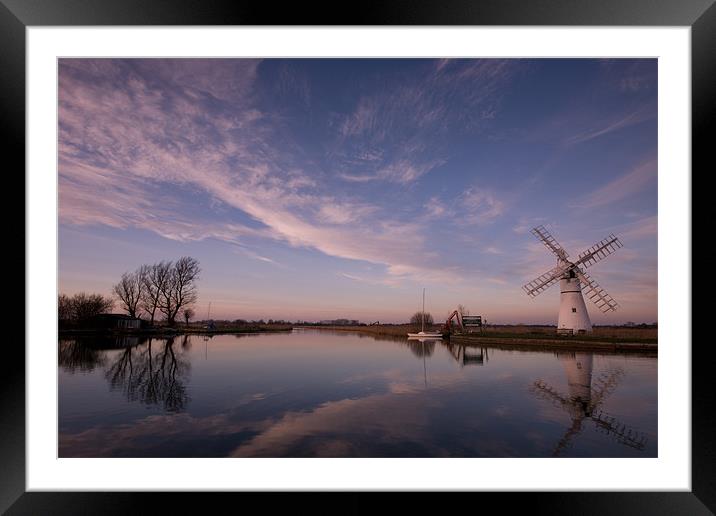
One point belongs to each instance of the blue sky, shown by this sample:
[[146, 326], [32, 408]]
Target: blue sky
[[324, 188]]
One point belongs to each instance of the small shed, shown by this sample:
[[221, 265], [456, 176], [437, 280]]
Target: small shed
[[114, 322]]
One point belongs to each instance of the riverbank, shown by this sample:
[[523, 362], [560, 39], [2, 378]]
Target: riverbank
[[616, 339], [564, 344], [165, 332]]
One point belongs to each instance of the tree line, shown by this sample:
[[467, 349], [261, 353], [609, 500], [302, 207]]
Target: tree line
[[82, 306], [167, 288]]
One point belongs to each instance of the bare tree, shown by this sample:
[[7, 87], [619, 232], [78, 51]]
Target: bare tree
[[83, 306], [154, 279], [188, 313], [417, 319], [180, 289], [129, 291], [64, 308], [462, 310]]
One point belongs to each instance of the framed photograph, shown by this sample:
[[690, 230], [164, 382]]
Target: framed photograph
[[416, 250]]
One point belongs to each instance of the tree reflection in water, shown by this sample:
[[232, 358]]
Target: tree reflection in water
[[153, 374], [74, 356]]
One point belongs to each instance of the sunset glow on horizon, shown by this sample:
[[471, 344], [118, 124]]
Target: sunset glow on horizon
[[314, 189]]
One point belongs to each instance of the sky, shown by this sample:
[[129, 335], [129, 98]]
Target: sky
[[314, 189]]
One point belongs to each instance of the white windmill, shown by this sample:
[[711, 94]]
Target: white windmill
[[573, 315]]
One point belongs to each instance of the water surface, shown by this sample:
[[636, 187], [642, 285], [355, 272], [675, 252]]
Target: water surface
[[314, 393]]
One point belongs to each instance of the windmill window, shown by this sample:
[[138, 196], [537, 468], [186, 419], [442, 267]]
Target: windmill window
[[574, 310]]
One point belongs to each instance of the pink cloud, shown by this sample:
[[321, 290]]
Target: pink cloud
[[116, 141], [622, 187]]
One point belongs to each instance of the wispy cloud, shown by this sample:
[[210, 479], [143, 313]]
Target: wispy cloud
[[612, 125], [402, 171], [126, 144], [498, 280], [645, 227], [480, 206], [435, 207], [90, 196], [344, 212], [474, 206], [245, 251], [358, 178], [621, 188], [387, 281], [394, 136]]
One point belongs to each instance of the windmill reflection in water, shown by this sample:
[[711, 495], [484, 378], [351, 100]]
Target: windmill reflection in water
[[584, 400]]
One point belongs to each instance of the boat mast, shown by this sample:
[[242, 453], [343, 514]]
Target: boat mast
[[422, 315]]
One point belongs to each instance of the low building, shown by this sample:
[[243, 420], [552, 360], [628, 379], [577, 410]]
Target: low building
[[113, 322]]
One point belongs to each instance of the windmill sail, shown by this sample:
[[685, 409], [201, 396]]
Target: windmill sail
[[550, 242], [622, 433], [599, 251], [605, 385], [596, 294], [546, 280]]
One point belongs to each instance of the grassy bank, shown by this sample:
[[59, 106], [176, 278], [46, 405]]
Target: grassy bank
[[603, 338], [159, 331], [612, 333], [248, 328], [393, 330], [600, 333], [560, 343]]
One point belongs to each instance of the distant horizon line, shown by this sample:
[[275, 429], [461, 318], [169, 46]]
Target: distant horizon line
[[359, 322]]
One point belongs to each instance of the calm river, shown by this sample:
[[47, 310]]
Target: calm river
[[317, 393]]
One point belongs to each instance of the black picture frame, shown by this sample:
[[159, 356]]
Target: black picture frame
[[17, 15]]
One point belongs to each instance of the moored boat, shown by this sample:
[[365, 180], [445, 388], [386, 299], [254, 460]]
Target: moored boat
[[422, 334]]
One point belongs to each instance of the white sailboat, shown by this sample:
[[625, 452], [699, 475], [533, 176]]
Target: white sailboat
[[425, 334]]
